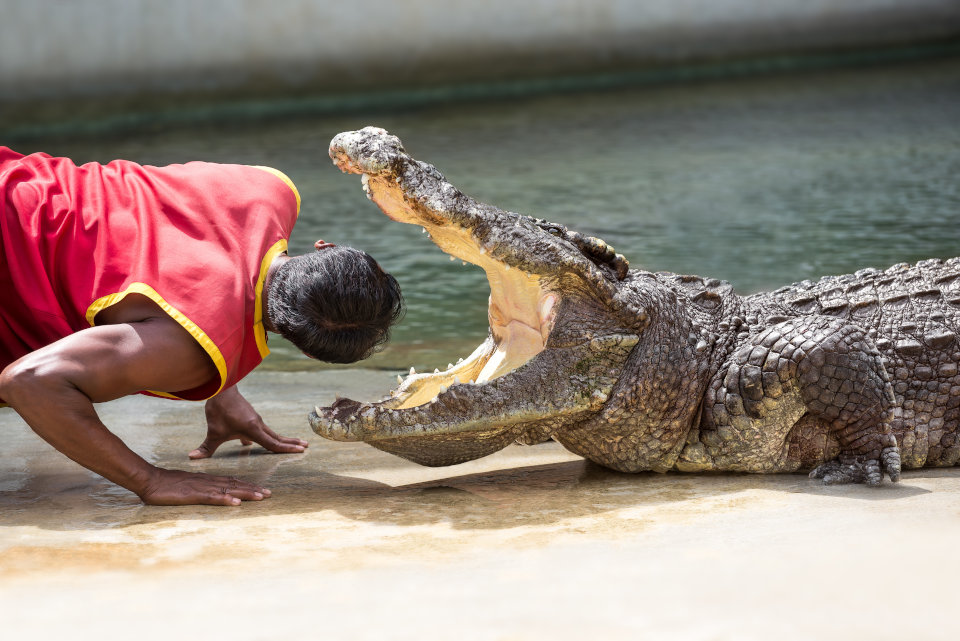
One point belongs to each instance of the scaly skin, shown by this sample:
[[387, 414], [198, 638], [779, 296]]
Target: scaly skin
[[658, 371], [879, 356]]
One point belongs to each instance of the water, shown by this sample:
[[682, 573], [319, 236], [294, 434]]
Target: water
[[760, 181]]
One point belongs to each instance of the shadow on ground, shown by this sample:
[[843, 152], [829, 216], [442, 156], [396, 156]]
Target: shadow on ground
[[528, 494]]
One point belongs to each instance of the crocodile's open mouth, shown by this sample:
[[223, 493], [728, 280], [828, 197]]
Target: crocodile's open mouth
[[537, 369], [521, 309]]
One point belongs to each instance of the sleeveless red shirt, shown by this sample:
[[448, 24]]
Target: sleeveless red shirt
[[197, 239]]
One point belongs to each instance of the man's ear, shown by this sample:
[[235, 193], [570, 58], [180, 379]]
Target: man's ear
[[322, 244]]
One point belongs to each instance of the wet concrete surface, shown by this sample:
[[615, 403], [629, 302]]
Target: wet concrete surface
[[530, 543]]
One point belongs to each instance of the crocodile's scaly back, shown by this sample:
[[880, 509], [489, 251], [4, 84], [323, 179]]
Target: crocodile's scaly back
[[915, 304]]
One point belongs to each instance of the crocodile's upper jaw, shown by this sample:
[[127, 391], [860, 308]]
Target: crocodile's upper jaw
[[522, 305]]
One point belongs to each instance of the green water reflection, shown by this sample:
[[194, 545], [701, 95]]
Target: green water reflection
[[760, 181]]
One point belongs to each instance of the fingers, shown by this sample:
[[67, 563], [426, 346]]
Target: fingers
[[235, 496], [220, 499], [206, 449], [290, 440], [255, 432], [233, 491], [283, 445], [270, 440], [241, 489]]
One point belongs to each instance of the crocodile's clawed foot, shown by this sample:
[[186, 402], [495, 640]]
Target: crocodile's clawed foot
[[890, 459], [869, 471], [837, 473]]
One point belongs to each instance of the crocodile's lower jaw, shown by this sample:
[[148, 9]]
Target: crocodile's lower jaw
[[521, 309]]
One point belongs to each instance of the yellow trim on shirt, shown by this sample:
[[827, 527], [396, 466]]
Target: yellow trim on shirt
[[198, 334], [259, 333], [282, 176]]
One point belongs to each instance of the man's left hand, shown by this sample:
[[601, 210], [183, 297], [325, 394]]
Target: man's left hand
[[230, 416]]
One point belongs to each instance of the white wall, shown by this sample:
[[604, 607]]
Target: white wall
[[59, 48]]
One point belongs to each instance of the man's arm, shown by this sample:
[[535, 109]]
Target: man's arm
[[54, 389]]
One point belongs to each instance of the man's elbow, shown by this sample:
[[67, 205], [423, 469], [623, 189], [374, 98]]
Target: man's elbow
[[29, 379]]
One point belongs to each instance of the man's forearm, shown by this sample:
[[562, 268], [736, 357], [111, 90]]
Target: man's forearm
[[64, 417]]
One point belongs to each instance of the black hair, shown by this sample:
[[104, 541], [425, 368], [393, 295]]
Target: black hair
[[336, 304]]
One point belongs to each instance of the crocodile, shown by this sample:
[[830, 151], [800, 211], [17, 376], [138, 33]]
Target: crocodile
[[850, 377]]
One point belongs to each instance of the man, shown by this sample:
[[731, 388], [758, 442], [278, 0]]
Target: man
[[120, 279]]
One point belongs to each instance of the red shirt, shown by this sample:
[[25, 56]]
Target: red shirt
[[196, 238]]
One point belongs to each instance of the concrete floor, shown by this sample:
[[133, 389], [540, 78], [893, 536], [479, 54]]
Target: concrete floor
[[531, 543]]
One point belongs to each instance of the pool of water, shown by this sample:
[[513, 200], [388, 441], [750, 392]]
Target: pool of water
[[760, 181]]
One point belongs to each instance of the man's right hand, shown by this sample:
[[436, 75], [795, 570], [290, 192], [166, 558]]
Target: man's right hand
[[174, 487]]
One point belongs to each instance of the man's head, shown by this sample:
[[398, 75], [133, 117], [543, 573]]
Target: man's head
[[335, 304]]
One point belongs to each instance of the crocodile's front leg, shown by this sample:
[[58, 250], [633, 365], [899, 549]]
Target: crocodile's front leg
[[818, 366]]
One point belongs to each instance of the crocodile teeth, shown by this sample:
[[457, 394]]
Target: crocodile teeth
[[412, 371], [399, 380], [443, 388], [452, 258], [449, 365], [436, 370]]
